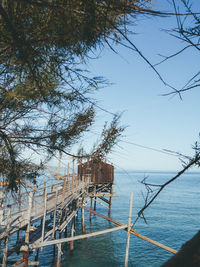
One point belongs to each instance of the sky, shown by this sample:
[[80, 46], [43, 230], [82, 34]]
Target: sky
[[152, 120]]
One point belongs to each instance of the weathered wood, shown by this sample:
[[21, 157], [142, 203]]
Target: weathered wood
[[66, 222], [78, 237], [90, 208], [64, 189], [20, 263], [83, 216], [110, 199], [128, 231], [72, 234], [59, 255], [133, 231], [5, 251], [25, 248], [101, 203], [44, 212], [95, 203]]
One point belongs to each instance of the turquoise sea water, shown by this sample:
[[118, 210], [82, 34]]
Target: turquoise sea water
[[172, 219]]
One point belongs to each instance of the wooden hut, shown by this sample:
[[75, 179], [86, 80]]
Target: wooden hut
[[98, 171]]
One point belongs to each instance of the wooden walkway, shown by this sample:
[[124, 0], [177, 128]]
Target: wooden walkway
[[53, 206], [37, 214], [19, 219]]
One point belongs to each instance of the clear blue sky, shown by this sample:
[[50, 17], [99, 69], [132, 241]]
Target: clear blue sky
[[153, 120]]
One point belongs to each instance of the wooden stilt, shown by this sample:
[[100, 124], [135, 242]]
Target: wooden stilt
[[72, 234], [5, 251], [90, 208], [110, 199], [25, 249], [83, 216], [59, 255], [95, 203], [37, 254], [65, 232], [60, 235], [128, 230]]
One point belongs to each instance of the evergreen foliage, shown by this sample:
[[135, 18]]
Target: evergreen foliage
[[44, 93]]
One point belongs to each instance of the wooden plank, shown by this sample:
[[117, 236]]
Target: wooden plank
[[78, 237]]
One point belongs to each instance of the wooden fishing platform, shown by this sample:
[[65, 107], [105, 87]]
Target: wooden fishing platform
[[34, 216]]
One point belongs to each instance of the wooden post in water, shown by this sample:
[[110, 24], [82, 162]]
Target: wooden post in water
[[90, 208], [37, 254], [95, 203], [110, 199], [83, 215], [25, 249], [44, 212], [5, 251], [59, 255], [72, 234], [128, 230]]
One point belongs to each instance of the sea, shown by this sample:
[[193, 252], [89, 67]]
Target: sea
[[172, 219]]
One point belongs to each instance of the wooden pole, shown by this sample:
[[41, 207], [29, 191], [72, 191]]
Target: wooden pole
[[72, 234], [95, 203], [83, 215], [110, 199], [90, 208], [128, 230], [76, 182], [37, 254], [78, 237], [44, 211], [5, 251], [73, 177], [59, 255], [25, 248], [54, 217], [64, 189]]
